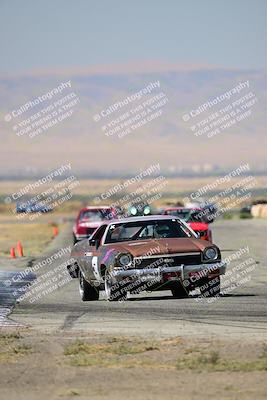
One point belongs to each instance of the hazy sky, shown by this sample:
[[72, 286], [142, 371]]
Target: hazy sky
[[56, 33]]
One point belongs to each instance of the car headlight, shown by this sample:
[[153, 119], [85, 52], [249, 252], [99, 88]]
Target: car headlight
[[211, 253], [146, 210], [133, 210], [124, 260]]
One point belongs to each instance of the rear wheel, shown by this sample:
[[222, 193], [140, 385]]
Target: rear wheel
[[74, 239], [210, 287], [73, 270], [179, 291], [115, 291], [87, 291]]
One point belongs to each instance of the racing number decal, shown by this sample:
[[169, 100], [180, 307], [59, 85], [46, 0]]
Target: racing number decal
[[95, 268]]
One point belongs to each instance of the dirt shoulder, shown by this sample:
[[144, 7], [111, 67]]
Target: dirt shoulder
[[63, 366]]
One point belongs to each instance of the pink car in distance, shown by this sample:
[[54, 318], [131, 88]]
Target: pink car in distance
[[89, 219]]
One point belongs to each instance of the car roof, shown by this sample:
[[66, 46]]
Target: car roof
[[88, 208], [182, 208], [142, 218]]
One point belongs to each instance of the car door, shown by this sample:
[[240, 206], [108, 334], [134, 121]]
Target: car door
[[91, 254]]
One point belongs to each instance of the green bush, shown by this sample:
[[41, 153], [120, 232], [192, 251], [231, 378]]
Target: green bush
[[245, 216]]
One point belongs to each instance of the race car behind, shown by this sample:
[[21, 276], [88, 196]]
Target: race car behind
[[194, 218], [89, 219]]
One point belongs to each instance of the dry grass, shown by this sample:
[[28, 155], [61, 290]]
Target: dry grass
[[113, 353], [168, 354], [33, 236], [119, 347], [212, 362], [11, 347]]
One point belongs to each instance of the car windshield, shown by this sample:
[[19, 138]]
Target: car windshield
[[187, 215], [182, 214], [194, 216], [154, 229], [96, 215]]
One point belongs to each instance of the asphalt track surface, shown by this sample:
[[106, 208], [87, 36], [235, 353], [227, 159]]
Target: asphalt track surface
[[242, 312]]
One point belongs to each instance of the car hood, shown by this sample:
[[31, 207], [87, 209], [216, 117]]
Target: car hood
[[88, 224], [161, 246], [199, 226]]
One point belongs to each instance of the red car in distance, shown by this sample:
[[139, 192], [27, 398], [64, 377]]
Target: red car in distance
[[193, 217], [89, 219]]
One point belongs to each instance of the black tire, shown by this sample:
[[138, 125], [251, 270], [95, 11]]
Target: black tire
[[137, 288], [87, 291], [210, 287], [115, 291], [179, 291], [74, 239]]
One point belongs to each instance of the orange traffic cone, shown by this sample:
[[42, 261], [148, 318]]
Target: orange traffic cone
[[55, 231], [20, 249], [12, 253]]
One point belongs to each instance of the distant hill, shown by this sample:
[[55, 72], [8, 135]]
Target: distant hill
[[166, 139]]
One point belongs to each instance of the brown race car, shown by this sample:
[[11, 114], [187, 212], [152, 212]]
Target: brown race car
[[146, 253]]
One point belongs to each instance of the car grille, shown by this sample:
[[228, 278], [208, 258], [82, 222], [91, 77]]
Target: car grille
[[167, 260]]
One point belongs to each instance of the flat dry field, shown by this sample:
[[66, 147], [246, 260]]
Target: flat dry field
[[171, 190], [97, 186]]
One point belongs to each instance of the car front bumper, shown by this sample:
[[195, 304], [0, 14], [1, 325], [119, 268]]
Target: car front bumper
[[81, 237], [190, 273]]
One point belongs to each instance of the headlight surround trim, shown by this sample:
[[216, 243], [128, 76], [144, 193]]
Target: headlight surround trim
[[124, 259], [210, 254]]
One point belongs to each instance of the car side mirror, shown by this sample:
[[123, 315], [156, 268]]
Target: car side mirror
[[94, 242]]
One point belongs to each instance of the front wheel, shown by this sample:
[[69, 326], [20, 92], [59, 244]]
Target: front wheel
[[179, 291], [210, 287], [115, 291], [87, 291]]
